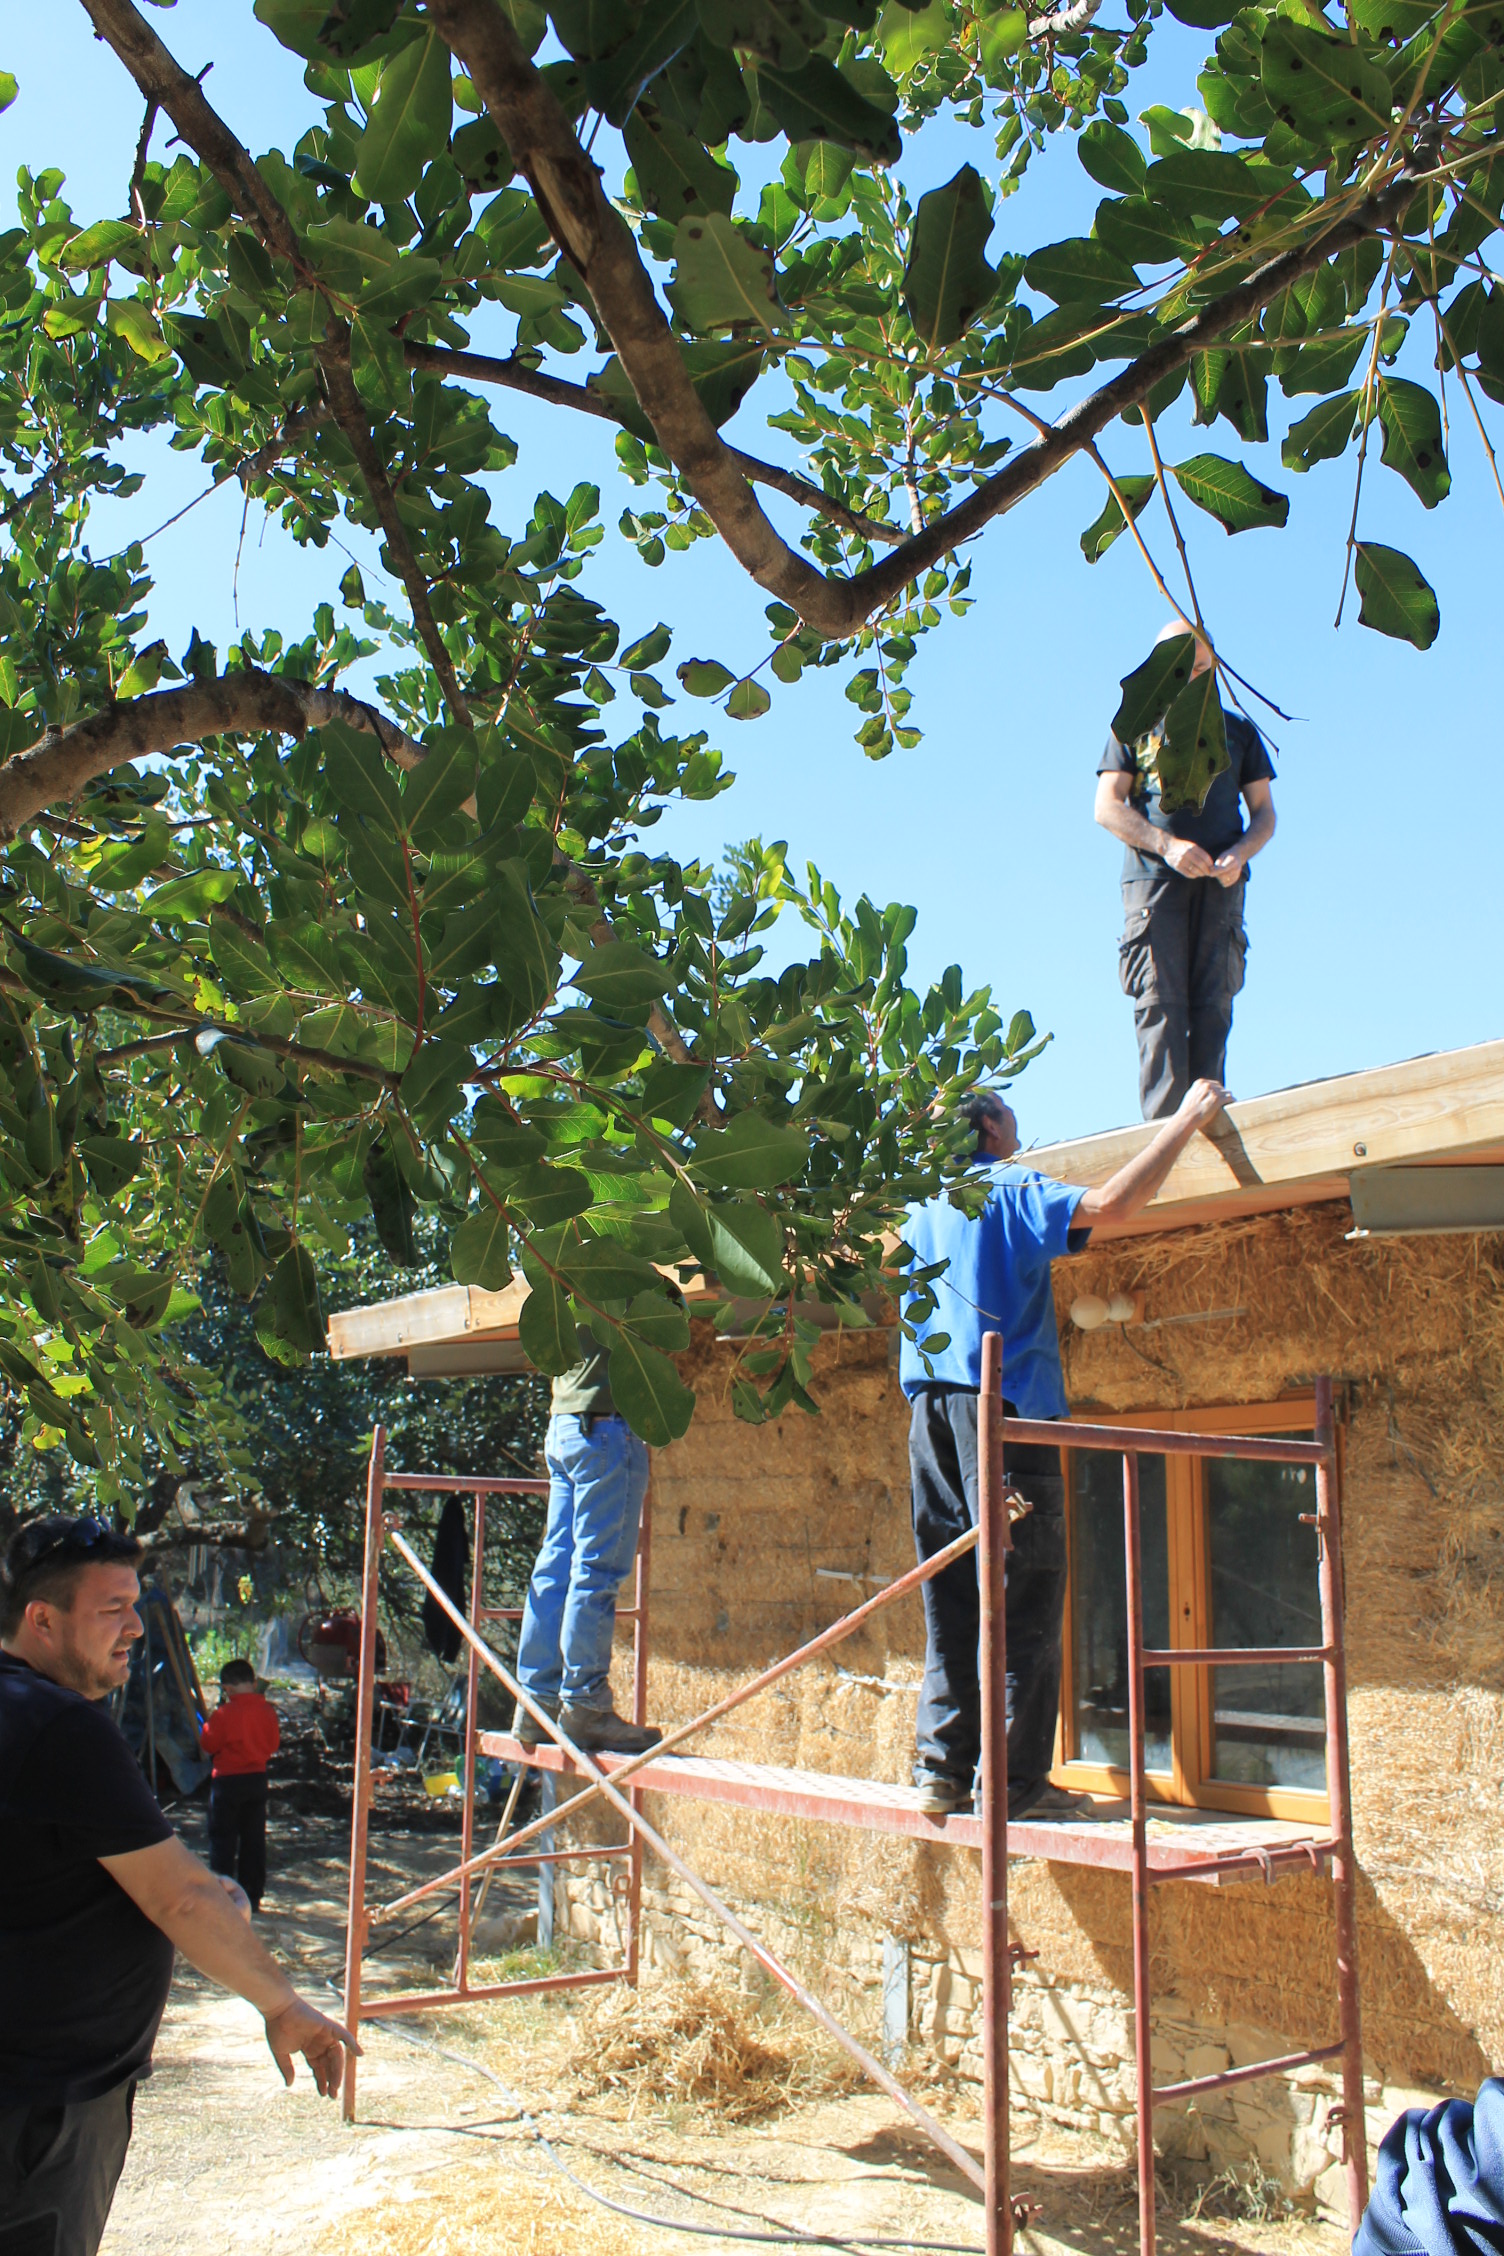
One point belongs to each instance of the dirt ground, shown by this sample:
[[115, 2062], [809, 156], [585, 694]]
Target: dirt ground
[[446, 2160]]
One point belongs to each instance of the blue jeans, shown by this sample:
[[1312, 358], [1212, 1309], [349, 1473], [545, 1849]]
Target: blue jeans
[[598, 1477]]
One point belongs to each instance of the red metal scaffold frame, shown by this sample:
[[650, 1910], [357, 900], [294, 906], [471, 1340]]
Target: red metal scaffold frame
[[867, 1803]]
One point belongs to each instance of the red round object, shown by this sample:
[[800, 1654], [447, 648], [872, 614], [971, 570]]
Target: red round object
[[330, 1644]]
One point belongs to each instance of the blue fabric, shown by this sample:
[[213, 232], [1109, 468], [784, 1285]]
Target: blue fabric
[[598, 1477], [998, 1281], [1440, 2182]]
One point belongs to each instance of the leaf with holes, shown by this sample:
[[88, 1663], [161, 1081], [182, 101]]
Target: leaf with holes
[[947, 280], [1193, 752], [721, 280], [1226, 491], [1152, 687], [820, 103], [1321, 434], [705, 677], [1397, 598], [676, 174], [1323, 86], [1411, 422], [1099, 536]]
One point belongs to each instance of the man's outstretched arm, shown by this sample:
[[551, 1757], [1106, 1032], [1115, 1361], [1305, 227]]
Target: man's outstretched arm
[[1125, 1194], [186, 1900]]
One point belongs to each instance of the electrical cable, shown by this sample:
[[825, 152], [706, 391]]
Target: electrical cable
[[790, 2239]]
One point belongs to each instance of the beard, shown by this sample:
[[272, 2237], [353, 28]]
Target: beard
[[95, 1679]]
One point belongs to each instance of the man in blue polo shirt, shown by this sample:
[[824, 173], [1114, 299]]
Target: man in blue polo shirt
[[997, 1278]]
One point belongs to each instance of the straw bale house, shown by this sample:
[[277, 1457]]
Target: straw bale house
[[1353, 1227]]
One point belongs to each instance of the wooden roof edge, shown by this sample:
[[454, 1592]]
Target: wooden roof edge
[[1306, 1141], [1293, 1148]]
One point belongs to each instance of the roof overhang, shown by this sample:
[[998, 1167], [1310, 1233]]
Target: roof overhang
[[1417, 1147]]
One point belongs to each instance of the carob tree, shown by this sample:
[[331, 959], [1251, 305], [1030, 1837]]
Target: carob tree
[[273, 954]]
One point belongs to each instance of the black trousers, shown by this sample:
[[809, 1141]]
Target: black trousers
[[943, 1469], [59, 2167], [1181, 959], [237, 1833]]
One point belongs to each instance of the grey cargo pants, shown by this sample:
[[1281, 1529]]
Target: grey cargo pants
[[1181, 960]]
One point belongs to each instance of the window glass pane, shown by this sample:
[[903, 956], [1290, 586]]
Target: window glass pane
[[1099, 1608], [1268, 1724]]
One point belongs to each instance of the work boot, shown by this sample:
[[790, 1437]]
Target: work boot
[[940, 1795], [1042, 1802], [526, 1732], [603, 1731]]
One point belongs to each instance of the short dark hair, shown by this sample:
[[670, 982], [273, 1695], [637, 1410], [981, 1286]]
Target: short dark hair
[[238, 1671], [44, 1558], [978, 1110]]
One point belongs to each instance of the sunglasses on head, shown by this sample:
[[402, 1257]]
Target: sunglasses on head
[[72, 1535]]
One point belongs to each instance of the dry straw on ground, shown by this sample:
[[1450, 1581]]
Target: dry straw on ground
[[701, 2045], [483, 2216]]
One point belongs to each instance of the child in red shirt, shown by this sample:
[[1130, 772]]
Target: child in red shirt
[[241, 1735]]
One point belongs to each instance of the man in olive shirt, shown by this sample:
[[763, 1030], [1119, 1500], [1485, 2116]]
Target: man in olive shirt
[[1181, 957], [598, 1477]]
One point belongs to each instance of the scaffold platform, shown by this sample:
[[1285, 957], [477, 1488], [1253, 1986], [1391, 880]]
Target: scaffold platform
[[1189, 1844]]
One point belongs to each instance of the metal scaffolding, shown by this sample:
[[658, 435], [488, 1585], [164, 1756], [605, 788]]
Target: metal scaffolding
[[1203, 1854]]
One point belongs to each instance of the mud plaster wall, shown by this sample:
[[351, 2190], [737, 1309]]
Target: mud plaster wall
[[750, 1528]]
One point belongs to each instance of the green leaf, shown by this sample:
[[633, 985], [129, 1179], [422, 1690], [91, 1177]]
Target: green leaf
[[1226, 491], [649, 650], [96, 245], [1397, 599], [9, 89], [243, 962], [1321, 365], [546, 1328], [649, 1392], [735, 1240], [1413, 445], [550, 1195], [721, 280], [672, 1092], [1112, 157], [1321, 85], [111, 1162], [307, 956], [721, 369], [1100, 535], [705, 677], [527, 962], [430, 794], [359, 777], [909, 34], [1212, 184], [409, 121], [624, 979], [1194, 750], [752, 1154], [675, 173], [131, 319], [290, 1310], [480, 1252], [603, 1269], [947, 280], [820, 103], [1152, 687], [391, 1200], [434, 1081], [1321, 434], [748, 701], [1145, 233], [658, 1322], [1078, 272]]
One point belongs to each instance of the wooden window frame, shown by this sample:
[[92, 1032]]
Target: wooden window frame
[[1189, 1783]]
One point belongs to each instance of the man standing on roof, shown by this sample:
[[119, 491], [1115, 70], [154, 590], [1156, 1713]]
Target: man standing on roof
[[598, 1478], [96, 1890], [997, 1278], [1184, 946]]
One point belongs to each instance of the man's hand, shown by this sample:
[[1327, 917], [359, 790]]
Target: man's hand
[[1202, 1102], [324, 2044], [1229, 867], [1186, 857]]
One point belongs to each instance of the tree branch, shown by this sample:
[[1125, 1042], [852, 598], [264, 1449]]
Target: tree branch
[[60, 764], [482, 368], [596, 240], [167, 86]]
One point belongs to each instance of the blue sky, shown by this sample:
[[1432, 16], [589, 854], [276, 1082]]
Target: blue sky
[[1373, 932]]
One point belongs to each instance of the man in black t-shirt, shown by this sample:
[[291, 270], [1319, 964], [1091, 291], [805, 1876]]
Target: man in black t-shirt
[[95, 1891], [1181, 957]]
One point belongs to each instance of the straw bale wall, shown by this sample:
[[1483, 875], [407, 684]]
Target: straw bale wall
[[760, 1538]]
